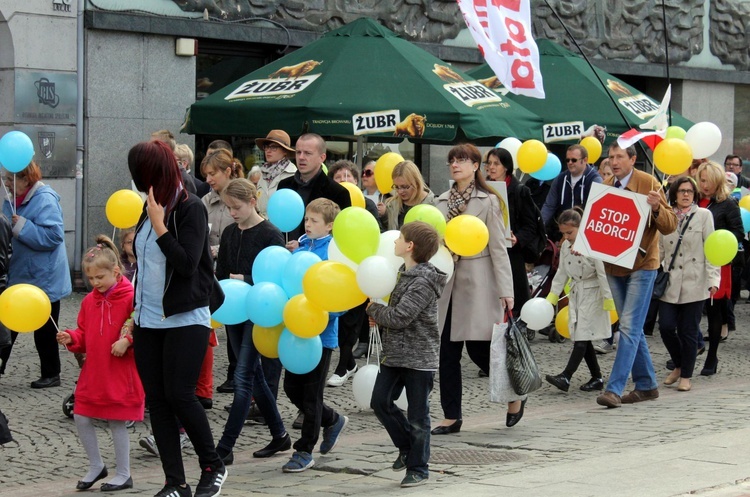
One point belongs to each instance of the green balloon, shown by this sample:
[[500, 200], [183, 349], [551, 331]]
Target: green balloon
[[720, 247], [356, 233], [428, 214], [676, 132]]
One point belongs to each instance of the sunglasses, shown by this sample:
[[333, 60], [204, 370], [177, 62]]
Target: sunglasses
[[367, 173], [571, 160]]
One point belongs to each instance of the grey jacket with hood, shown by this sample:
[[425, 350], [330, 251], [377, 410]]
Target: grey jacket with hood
[[409, 324]]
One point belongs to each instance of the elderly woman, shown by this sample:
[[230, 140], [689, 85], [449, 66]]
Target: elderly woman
[[717, 199], [479, 291], [172, 318], [277, 148], [186, 159], [39, 258], [692, 280], [410, 191]]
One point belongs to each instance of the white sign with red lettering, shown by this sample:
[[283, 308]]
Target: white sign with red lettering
[[612, 225], [502, 31]]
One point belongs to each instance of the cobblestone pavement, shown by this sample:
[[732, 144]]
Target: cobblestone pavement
[[694, 443]]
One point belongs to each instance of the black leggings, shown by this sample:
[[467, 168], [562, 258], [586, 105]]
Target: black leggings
[[45, 339], [169, 362], [583, 350]]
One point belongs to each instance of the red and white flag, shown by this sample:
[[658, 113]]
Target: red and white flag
[[502, 31]]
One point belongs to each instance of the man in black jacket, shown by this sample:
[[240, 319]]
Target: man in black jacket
[[310, 181]]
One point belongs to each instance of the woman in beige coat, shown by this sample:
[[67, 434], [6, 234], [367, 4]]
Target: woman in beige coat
[[692, 280], [479, 291]]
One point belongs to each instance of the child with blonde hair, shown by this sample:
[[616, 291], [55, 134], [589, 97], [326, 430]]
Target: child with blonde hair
[[108, 387]]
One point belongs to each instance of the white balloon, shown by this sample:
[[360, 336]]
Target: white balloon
[[401, 402], [363, 385], [443, 260], [385, 249], [537, 313], [334, 254], [511, 145], [704, 138], [376, 277]]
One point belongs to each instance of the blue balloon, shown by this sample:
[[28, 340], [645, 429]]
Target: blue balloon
[[550, 170], [295, 270], [299, 355], [265, 304], [233, 310], [16, 151], [269, 264], [745, 219], [286, 209]]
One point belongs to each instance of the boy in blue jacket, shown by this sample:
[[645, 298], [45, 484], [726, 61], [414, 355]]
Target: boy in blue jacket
[[411, 345], [306, 390]]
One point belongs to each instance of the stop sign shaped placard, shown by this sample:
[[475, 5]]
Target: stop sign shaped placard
[[612, 225]]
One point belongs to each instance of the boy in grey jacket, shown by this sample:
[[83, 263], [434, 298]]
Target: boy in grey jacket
[[411, 344]]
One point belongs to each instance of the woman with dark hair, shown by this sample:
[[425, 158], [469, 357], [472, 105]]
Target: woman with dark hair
[[498, 166], [172, 318], [39, 258], [478, 293], [692, 280]]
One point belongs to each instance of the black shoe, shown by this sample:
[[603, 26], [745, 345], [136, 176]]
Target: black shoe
[[709, 371], [276, 445], [108, 487], [297, 424], [513, 419], [254, 415], [206, 402], [228, 459], [701, 350], [560, 381], [226, 387], [53, 381], [400, 463], [482, 374], [360, 350], [176, 490], [722, 339], [593, 384], [447, 429], [211, 481], [228, 407], [670, 365], [85, 485]]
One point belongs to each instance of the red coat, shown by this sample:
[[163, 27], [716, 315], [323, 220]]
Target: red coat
[[109, 387]]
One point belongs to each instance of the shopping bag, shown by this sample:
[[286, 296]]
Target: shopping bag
[[499, 380], [522, 368]]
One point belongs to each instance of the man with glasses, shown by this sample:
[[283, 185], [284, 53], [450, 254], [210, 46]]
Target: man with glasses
[[569, 189], [733, 164]]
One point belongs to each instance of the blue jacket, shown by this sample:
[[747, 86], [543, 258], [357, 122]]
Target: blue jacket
[[39, 256], [319, 247]]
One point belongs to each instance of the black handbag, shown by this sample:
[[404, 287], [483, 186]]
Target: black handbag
[[662, 279], [217, 296], [522, 368]]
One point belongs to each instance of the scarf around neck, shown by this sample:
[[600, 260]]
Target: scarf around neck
[[458, 201], [271, 171]]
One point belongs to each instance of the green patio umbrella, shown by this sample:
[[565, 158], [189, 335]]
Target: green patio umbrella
[[362, 80], [576, 99]]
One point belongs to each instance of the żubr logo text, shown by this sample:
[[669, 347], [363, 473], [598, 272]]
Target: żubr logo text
[[375, 122], [640, 105], [472, 93], [271, 87]]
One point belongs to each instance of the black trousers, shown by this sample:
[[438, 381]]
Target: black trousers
[[169, 362], [583, 350], [679, 326], [350, 328], [45, 340], [450, 366], [717, 317]]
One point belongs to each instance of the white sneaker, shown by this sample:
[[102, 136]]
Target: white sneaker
[[184, 440], [603, 348], [337, 381], [149, 443]]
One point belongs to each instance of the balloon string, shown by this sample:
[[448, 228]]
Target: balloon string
[[7, 194], [114, 230]]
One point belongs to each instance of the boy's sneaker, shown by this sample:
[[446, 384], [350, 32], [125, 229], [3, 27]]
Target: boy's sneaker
[[175, 491], [337, 381], [400, 463], [331, 434], [412, 479], [149, 443], [299, 462], [211, 481], [184, 440], [603, 348]]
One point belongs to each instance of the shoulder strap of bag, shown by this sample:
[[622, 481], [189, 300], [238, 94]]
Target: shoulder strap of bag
[[679, 241]]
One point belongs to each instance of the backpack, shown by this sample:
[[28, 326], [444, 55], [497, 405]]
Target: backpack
[[536, 246]]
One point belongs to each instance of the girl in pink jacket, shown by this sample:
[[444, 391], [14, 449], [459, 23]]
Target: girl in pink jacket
[[108, 387]]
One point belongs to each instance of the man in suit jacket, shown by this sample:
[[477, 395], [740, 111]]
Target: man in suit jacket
[[636, 284], [310, 181]]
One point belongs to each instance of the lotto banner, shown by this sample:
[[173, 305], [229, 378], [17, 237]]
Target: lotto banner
[[502, 30]]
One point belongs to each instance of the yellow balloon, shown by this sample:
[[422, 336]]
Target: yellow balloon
[[303, 318], [561, 322], [358, 198], [124, 208], [673, 156], [24, 308], [266, 340], [593, 148], [613, 317], [384, 171], [745, 202], [466, 235], [332, 286], [532, 154], [215, 324]]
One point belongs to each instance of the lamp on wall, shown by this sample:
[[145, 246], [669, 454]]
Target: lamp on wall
[[186, 47]]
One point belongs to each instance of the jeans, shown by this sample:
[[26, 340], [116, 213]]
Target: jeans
[[679, 325], [410, 435], [632, 295], [249, 382], [169, 361]]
